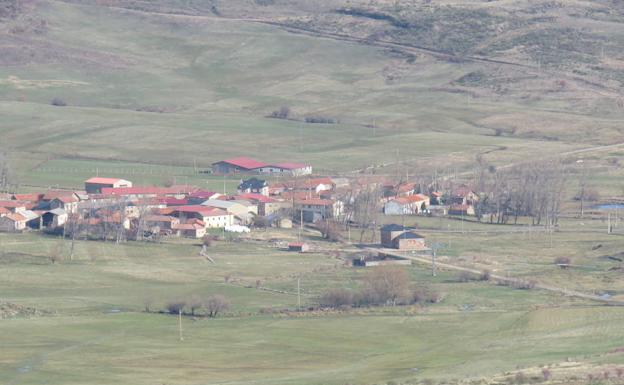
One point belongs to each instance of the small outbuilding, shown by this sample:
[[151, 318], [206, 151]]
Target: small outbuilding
[[301, 247]]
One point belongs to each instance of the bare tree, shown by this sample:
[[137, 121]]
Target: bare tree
[[388, 284], [216, 304], [337, 298], [194, 302], [56, 252], [7, 181]]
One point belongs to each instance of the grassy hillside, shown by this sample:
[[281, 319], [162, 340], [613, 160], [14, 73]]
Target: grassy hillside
[[178, 83]]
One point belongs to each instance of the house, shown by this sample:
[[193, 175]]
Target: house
[[254, 186], [12, 223], [316, 185], [54, 218], [401, 238], [313, 210], [461, 209], [286, 168], [240, 165], [232, 207], [27, 197], [391, 231], [163, 222], [190, 230], [95, 185], [407, 205], [463, 195], [4, 211], [211, 217], [301, 247], [266, 206], [409, 241], [68, 203]]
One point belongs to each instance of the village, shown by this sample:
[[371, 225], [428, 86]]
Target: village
[[114, 209]]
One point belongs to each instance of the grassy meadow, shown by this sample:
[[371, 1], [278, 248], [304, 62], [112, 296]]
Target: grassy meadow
[[97, 331]]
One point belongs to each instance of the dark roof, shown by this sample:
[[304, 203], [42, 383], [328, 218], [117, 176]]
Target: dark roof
[[409, 235], [395, 227], [253, 184]]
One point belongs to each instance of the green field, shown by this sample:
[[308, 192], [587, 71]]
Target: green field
[[97, 332]]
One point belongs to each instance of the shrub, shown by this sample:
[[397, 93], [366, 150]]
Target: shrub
[[423, 295], [337, 298], [520, 378], [388, 285], [486, 275], [524, 285], [465, 276], [320, 120], [563, 262], [282, 113], [546, 373], [58, 102]]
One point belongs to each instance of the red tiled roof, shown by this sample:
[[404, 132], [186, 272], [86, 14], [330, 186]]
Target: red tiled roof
[[16, 217], [187, 226], [27, 197], [256, 197], [13, 204], [68, 198], [4, 211], [159, 218], [53, 194], [244, 162], [174, 201], [99, 180]]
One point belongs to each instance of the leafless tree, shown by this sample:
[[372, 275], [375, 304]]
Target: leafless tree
[[329, 230], [216, 304], [337, 298], [56, 252], [194, 302], [388, 284], [7, 181]]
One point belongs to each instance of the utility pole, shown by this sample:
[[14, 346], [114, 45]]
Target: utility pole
[[180, 324], [433, 262], [608, 223], [300, 223], [299, 293], [223, 184]]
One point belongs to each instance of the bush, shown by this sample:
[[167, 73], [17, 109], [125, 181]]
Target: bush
[[320, 120], [426, 296], [282, 113], [337, 298], [387, 285], [563, 262], [524, 285], [465, 276], [58, 102], [486, 275]]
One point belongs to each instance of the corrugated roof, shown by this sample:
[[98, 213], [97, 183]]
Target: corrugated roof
[[100, 180], [244, 162]]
